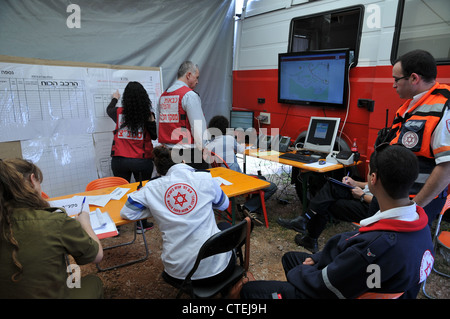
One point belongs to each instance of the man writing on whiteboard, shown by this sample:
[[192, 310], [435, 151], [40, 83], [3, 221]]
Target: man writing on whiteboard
[[181, 122]]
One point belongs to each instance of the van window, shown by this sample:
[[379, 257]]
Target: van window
[[330, 30], [423, 24]]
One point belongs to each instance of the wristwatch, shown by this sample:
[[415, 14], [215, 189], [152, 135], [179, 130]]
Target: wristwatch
[[362, 198]]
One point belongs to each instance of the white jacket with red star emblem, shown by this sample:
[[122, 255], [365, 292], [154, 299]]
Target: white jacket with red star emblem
[[181, 203]]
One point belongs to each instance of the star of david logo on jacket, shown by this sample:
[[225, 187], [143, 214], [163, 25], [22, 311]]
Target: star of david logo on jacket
[[180, 198], [177, 199]]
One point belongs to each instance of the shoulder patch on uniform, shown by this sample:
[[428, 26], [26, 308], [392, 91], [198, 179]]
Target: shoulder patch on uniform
[[379, 246]]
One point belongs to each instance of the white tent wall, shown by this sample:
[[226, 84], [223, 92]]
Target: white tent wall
[[160, 33]]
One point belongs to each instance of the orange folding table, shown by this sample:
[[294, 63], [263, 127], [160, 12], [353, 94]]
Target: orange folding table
[[240, 184]]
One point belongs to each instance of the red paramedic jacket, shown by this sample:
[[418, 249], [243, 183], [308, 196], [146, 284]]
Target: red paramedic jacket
[[174, 125], [128, 145]]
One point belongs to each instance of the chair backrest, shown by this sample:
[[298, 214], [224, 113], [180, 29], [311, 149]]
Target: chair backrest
[[217, 161], [445, 209], [447, 202], [105, 182], [443, 237], [232, 238], [44, 195]]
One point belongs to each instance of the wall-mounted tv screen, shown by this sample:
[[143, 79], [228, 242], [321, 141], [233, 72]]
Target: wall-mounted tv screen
[[317, 78]]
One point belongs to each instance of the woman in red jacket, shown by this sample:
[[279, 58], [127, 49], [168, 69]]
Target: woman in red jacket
[[135, 129]]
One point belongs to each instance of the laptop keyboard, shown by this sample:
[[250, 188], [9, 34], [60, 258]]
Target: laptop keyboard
[[299, 157]]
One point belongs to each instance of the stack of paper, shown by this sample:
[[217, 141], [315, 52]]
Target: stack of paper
[[102, 224], [73, 205]]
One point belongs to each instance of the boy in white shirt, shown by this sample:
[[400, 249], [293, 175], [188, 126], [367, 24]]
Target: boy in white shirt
[[226, 147]]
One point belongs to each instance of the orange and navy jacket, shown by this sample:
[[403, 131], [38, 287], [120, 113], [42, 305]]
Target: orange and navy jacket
[[127, 144], [174, 125], [415, 128]]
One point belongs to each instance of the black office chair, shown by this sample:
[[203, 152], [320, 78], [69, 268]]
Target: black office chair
[[229, 239]]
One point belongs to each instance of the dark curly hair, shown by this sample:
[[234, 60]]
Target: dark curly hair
[[162, 157], [220, 122], [136, 106]]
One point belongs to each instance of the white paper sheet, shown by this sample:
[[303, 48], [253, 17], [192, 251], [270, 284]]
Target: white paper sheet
[[97, 219], [221, 181], [119, 192], [71, 205], [107, 224]]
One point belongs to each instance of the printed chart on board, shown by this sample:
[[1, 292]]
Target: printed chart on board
[[58, 113], [45, 100], [102, 83]]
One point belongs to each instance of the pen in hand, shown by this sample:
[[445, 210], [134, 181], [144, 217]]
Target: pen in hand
[[82, 205], [346, 178]]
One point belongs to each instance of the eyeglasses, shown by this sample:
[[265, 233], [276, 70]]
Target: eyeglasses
[[396, 79]]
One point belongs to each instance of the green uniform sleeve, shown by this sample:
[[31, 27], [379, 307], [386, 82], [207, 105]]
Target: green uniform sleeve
[[77, 242]]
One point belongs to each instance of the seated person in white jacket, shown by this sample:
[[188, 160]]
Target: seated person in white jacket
[[181, 202]]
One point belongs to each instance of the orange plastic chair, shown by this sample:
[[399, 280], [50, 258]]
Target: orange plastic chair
[[376, 295], [217, 161], [105, 182], [44, 195], [440, 238]]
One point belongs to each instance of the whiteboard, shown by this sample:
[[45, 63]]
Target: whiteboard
[[58, 113]]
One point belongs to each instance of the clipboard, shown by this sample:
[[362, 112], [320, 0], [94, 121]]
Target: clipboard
[[339, 183]]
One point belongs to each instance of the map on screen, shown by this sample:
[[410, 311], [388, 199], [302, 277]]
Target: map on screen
[[312, 77]]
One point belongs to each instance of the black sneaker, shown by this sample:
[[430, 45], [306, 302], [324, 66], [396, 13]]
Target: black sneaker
[[307, 242], [145, 226], [298, 224]]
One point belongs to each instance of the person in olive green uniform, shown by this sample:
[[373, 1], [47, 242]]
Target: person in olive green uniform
[[34, 239]]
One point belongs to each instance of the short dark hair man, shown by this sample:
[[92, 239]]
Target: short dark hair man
[[422, 123]]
